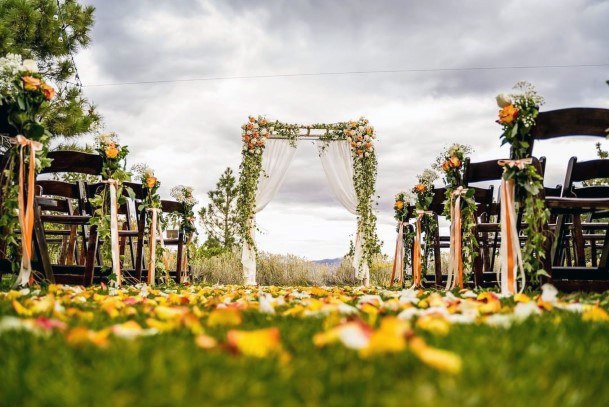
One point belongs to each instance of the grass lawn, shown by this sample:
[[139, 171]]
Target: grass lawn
[[64, 347]]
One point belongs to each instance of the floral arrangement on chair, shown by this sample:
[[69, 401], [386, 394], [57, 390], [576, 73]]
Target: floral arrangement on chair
[[517, 117], [155, 222], [113, 170], [450, 164], [424, 193], [23, 95], [184, 195]]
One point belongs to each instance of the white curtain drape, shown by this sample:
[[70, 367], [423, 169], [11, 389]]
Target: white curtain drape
[[276, 158], [337, 162]]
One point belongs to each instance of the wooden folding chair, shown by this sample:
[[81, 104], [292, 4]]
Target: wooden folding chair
[[63, 203], [567, 272], [570, 207]]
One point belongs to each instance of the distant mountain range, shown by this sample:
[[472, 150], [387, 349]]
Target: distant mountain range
[[329, 262]]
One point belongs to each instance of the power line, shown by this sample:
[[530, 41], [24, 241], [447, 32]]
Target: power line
[[387, 71]]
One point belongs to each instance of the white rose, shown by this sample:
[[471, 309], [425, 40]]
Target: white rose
[[148, 172], [29, 65], [264, 132], [367, 138], [256, 125], [349, 139], [244, 148], [258, 151], [503, 100]]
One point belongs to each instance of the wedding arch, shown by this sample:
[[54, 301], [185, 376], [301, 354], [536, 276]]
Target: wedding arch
[[349, 161]]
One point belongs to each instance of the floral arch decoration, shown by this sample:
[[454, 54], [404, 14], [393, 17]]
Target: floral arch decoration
[[359, 137]]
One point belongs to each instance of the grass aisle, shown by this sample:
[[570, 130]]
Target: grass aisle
[[69, 348]]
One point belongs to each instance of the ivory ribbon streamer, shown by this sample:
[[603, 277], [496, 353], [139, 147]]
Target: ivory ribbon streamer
[[116, 264], [185, 259], [511, 256], [26, 209], [416, 255], [398, 259], [152, 245], [455, 266]]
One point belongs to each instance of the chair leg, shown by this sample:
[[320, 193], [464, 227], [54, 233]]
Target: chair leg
[[578, 241], [90, 258], [41, 248], [437, 253]]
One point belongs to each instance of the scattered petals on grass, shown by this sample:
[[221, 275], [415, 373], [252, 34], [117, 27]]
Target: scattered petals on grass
[[258, 343]]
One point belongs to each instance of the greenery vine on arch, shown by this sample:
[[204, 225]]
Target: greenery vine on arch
[[360, 134]]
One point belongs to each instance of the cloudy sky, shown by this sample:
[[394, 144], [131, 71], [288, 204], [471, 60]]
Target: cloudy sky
[[189, 131]]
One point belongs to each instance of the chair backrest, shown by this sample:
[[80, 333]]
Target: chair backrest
[[490, 170], [63, 194], [437, 203], [577, 121], [171, 206], [579, 171], [74, 161]]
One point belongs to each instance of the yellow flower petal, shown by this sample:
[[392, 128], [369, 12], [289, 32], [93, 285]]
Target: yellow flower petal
[[439, 359], [225, 317], [595, 314], [259, 343]]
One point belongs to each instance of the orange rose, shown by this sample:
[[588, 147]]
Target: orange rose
[[263, 122], [246, 138], [455, 162], [420, 188], [31, 83], [151, 182], [112, 151], [508, 114], [252, 119], [49, 91], [249, 126], [399, 204], [446, 166]]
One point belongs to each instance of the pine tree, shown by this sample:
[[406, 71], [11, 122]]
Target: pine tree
[[219, 218], [51, 31]]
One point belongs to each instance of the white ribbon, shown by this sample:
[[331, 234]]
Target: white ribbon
[[116, 264], [455, 264], [398, 259], [152, 245]]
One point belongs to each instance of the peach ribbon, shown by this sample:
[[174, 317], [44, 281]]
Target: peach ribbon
[[152, 246], [398, 259], [511, 256], [416, 252], [455, 266], [156, 233], [116, 264], [26, 209]]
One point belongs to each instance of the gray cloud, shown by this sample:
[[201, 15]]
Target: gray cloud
[[189, 131]]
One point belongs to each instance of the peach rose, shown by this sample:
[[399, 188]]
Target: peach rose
[[49, 91], [150, 182], [31, 83], [111, 151], [455, 162], [446, 166], [508, 114], [399, 204], [420, 188]]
